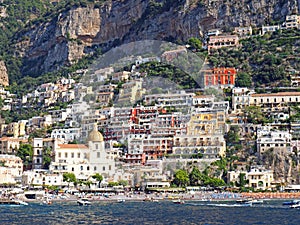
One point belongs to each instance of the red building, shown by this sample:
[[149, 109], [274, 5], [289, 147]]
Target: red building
[[220, 77]]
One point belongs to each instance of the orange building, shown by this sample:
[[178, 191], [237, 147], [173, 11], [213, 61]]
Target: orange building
[[219, 77]]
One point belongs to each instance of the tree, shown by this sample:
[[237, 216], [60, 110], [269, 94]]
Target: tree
[[181, 178], [195, 176], [255, 115], [70, 178], [25, 152], [98, 177], [47, 157], [242, 180], [123, 183], [243, 80], [195, 43]]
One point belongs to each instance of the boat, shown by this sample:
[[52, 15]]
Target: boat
[[245, 202], [83, 201], [147, 199], [121, 200], [255, 201], [249, 201], [295, 206], [20, 202], [12, 202], [292, 202], [178, 201]]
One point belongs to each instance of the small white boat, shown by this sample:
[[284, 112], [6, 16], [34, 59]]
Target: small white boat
[[295, 206], [255, 201], [121, 200], [20, 202], [83, 201]]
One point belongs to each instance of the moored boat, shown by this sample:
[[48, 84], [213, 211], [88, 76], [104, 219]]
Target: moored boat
[[178, 201], [292, 202], [255, 201], [12, 202], [83, 201]]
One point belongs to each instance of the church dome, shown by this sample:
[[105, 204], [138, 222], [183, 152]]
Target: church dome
[[95, 135]]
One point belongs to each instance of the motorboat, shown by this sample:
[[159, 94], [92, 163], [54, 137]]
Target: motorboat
[[20, 202], [83, 201], [178, 201], [292, 202], [12, 202], [255, 201], [121, 200]]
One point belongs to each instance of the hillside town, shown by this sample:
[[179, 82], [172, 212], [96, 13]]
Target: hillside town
[[137, 138]]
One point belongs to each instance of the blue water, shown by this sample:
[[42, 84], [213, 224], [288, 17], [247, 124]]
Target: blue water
[[165, 212]]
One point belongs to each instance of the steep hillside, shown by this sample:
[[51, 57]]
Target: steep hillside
[[68, 30]]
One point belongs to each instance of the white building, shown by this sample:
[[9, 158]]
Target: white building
[[268, 139], [39, 177], [266, 29], [68, 134], [84, 160]]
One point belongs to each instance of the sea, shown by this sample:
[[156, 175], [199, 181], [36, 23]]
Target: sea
[[164, 212]]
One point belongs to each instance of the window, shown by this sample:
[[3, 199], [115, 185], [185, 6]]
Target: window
[[78, 155], [66, 155], [109, 167], [96, 146], [98, 154], [103, 168], [95, 168], [38, 152], [87, 168], [59, 155], [72, 155], [72, 169], [81, 167]]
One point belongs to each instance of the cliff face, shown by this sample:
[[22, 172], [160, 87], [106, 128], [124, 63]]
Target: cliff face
[[3, 74], [79, 31]]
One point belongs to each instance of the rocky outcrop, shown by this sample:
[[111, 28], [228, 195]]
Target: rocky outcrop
[[79, 31], [3, 74]]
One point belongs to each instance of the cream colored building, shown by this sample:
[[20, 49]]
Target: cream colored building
[[292, 21], [210, 146], [260, 179], [131, 92], [10, 145], [216, 42], [11, 169], [243, 31]]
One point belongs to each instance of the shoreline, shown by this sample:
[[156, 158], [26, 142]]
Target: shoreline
[[208, 197]]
